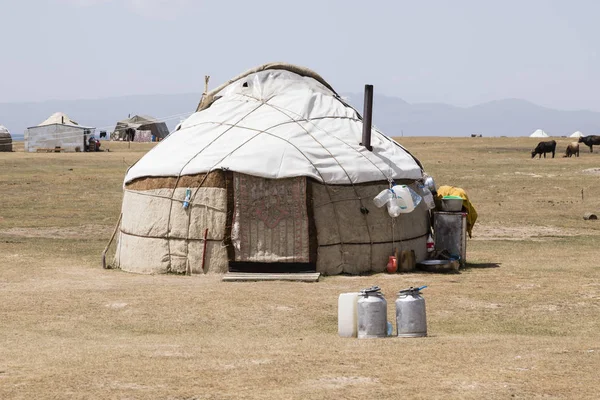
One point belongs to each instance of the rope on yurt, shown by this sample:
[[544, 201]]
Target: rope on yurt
[[332, 136], [250, 129], [286, 113], [278, 125], [262, 102], [327, 186], [213, 167], [386, 176], [209, 99], [196, 191], [258, 132], [393, 225], [393, 235], [172, 237]]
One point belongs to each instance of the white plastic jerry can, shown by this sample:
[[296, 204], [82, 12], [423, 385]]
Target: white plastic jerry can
[[347, 314]]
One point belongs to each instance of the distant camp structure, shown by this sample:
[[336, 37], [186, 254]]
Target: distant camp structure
[[539, 133], [5, 140], [577, 134], [57, 133], [140, 128], [269, 175]]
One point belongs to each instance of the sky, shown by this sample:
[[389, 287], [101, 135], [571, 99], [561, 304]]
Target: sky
[[460, 52]]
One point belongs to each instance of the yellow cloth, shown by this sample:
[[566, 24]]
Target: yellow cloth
[[467, 205]]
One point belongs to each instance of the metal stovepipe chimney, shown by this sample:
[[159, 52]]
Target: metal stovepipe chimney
[[367, 117]]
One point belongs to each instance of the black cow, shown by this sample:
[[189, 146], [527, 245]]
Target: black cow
[[543, 148], [590, 141]]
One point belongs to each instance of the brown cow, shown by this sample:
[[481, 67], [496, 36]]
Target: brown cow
[[572, 150]]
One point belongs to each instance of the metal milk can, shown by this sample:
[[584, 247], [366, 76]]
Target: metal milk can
[[372, 313], [411, 320]]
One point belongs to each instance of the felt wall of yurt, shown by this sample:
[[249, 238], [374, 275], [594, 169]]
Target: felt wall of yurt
[[6, 143], [355, 237], [330, 229], [158, 235]]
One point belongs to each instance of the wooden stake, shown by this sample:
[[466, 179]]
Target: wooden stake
[[204, 251], [110, 241]]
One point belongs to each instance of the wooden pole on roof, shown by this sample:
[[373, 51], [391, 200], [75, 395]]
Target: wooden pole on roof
[[206, 79]]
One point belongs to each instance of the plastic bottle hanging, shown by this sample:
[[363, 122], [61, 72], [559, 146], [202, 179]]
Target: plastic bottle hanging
[[188, 196]]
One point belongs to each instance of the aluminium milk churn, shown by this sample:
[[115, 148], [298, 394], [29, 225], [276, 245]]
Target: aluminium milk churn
[[372, 313], [411, 320]]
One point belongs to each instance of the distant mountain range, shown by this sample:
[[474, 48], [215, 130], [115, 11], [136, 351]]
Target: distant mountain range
[[392, 115], [509, 117]]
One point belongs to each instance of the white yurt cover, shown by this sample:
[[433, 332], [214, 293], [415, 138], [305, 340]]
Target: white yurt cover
[[577, 134], [539, 133], [278, 124], [3, 129], [58, 118]]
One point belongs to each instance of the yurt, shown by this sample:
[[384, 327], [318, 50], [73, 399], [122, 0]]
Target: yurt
[[577, 134], [539, 134], [5, 140], [57, 132], [268, 175], [140, 128]]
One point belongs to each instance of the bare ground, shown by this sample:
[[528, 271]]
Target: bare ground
[[520, 322]]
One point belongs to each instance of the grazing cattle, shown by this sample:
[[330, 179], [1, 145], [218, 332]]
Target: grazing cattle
[[590, 141], [543, 148], [572, 150]]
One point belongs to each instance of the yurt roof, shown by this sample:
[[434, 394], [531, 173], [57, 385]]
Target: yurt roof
[[277, 121], [539, 133], [158, 127], [58, 118], [140, 120], [577, 134], [4, 130]]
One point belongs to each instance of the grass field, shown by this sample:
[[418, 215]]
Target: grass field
[[526, 328]]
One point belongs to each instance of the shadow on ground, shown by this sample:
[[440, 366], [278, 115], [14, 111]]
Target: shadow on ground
[[481, 265]]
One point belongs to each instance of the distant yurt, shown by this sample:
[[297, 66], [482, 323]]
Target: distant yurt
[[5, 140], [577, 134], [539, 134], [140, 128], [58, 132], [269, 175]]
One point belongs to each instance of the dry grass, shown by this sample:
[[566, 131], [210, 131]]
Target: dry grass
[[527, 329]]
